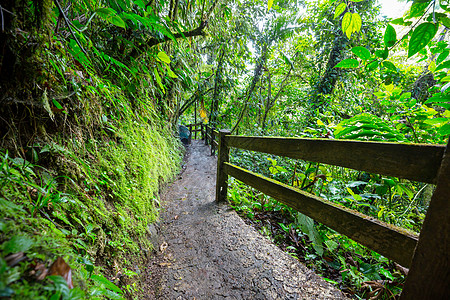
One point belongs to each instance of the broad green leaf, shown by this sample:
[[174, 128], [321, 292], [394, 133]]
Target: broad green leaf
[[436, 121], [106, 13], [346, 20], [108, 284], [355, 24], [340, 9], [269, 4], [158, 80], [110, 15], [170, 72], [331, 245], [442, 56], [444, 65], [445, 79], [432, 66], [306, 225], [438, 97], [380, 94], [405, 96], [56, 103], [382, 53], [320, 123], [390, 36], [355, 196], [418, 9], [351, 23], [445, 87], [421, 36], [164, 57], [140, 3], [400, 21], [361, 52], [387, 274], [388, 65], [372, 66], [116, 20], [348, 63], [444, 130], [367, 126], [445, 21]]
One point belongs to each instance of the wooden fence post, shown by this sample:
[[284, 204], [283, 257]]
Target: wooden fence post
[[195, 118], [428, 277], [202, 131], [213, 138], [190, 133], [222, 157]]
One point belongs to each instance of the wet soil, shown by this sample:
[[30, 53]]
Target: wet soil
[[206, 251]]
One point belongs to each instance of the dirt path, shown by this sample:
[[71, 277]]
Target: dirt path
[[207, 252]]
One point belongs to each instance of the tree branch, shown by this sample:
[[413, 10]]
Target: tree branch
[[155, 41]]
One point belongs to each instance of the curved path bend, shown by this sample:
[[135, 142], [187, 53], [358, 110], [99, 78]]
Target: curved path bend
[[206, 251]]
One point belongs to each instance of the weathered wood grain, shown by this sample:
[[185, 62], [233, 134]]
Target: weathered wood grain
[[428, 277], [417, 162], [222, 157], [393, 242]]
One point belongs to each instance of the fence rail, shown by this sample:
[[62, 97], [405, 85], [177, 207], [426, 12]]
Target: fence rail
[[426, 255]]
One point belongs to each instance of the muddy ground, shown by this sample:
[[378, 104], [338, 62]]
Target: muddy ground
[[206, 251]]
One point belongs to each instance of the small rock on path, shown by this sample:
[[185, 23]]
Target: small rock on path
[[206, 251]]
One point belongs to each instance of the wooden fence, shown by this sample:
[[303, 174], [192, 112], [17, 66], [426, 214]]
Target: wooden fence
[[426, 255]]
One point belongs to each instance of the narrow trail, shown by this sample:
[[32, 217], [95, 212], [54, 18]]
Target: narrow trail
[[206, 251]]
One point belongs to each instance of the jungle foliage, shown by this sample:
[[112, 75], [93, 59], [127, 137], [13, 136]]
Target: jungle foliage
[[91, 91]]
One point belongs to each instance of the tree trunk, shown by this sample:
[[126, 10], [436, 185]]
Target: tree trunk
[[327, 82]]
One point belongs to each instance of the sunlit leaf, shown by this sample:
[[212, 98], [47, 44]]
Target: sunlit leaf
[[444, 65], [164, 57], [361, 52], [421, 36], [346, 21], [340, 9], [418, 9], [158, 80], [442, 56], [171, 73], [390, 36], [444, 130], [269, 4], [348, 63], [432, 66], [351, 23]]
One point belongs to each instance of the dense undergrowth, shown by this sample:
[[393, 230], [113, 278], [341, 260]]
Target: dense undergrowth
[[90, 205], [84, 153]]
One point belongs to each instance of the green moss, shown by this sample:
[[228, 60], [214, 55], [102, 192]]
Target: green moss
[[92, 205]]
